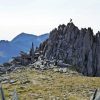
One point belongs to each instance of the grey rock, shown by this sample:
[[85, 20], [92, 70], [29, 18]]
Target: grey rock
[[96, 95], [79, 48], [12, 81]]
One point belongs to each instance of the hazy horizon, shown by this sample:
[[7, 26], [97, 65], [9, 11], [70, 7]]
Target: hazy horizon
[[41, 16]]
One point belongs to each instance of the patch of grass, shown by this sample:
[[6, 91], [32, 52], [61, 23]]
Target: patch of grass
[[50, 85]]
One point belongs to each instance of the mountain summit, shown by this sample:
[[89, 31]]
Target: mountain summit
[[80, 48]]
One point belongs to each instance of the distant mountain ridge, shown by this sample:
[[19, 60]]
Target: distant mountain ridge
[[21, 42]]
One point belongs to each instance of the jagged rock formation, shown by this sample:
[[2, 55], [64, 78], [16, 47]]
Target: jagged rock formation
[[80, 48]]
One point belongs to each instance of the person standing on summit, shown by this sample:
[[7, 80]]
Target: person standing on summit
[[70, 20]]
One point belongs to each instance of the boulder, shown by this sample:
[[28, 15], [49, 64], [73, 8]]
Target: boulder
[[96, 95]]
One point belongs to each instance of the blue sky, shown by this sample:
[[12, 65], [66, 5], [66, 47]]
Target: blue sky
[[41, 16]]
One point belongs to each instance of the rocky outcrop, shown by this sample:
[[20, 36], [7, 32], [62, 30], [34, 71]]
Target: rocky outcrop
[[80, 48]]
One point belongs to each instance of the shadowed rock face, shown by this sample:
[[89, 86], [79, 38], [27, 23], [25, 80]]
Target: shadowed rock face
[[77, 47]]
